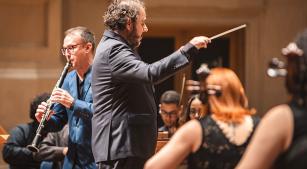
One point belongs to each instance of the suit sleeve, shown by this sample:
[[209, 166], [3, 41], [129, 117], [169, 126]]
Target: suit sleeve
[[83, 109], [127, 67], [58, 120], [15, 150], [51, 148]]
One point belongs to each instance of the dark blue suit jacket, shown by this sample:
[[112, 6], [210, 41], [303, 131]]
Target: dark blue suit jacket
[[125, 117], [78, 118]]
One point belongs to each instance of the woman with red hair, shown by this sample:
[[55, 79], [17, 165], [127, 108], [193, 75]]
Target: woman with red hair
[[219, 139]]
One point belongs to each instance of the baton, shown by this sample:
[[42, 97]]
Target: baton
[[226, 32]]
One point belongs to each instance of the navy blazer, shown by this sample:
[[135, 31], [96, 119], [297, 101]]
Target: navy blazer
[[125, 112], [78, 118]]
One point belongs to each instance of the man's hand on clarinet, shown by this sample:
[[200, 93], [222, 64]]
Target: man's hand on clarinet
[[41, 109], [63, 97], [200, 41]]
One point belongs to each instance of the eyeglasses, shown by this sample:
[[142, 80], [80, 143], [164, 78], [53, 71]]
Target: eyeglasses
[[194, 111], [70, 49], [170, 114]]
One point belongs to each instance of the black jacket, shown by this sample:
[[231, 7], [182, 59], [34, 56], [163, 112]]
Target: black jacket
[[52, 146], [125, 114], [15, 152]]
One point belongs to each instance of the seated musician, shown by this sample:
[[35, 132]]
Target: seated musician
[[53, 149], [170, 111], [280, 140], [15, 151], [219, 139], [195, 110]]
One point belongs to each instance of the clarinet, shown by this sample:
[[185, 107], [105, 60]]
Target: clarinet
[[34, 146]]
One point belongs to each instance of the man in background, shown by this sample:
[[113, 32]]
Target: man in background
[[15, 151], [170, 111], [53, 149]]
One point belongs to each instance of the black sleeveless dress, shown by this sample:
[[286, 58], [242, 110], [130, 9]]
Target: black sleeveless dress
[[296, 155], [216, 152]]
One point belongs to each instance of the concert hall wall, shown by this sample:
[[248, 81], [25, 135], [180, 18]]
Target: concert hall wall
[[31, 34]]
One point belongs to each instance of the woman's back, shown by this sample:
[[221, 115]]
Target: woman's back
[[217, 150], [296, 155]]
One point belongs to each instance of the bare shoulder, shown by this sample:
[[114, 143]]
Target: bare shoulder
[[191, 133], [280, 112], [271, 138], [279, 120], [192, 124], [191, 128]]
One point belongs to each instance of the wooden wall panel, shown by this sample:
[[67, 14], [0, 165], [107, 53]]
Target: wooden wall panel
[[26, 22], [30, 36], [30, 31]]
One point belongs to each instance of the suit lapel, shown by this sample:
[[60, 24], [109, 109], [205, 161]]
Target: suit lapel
[[73, 85], [87, 86], [87, 83]]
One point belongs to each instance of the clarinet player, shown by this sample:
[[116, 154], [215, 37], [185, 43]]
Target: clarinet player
[[73, 102]]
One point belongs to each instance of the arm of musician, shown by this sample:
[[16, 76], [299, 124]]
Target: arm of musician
[[272, 137], [186, 140], [54, 146], [14, 151], [83, 108], [57, 118]]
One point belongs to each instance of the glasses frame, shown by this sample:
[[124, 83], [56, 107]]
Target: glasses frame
[[195, 111], [70, 49], [169, 114]]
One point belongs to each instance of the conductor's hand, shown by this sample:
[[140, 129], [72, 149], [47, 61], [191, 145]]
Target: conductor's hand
[[200, 41], [41, 109], [63, 97]]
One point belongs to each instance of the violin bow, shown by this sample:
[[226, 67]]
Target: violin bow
[[182, 88]]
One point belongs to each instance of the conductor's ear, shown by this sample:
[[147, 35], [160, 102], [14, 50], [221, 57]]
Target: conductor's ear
[[129, 24]]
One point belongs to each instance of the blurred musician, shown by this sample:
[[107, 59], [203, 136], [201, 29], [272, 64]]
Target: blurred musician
[[15, 152], [219, 139], [170, 110], [280, 141]]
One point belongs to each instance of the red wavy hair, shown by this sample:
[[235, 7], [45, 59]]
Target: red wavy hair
[[232, 104]]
